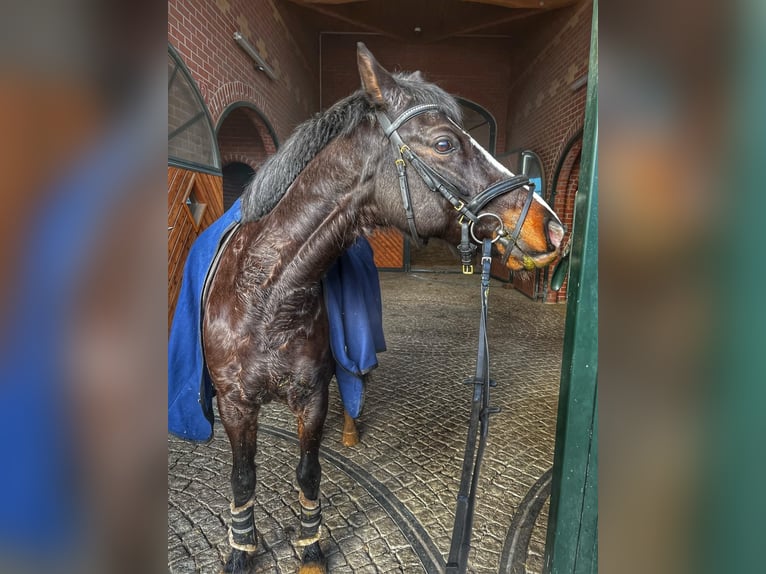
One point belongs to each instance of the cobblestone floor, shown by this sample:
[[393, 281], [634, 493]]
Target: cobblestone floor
[[388, 503]]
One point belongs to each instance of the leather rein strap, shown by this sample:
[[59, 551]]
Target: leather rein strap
[[468, 216], [468, 213], [460, 544]]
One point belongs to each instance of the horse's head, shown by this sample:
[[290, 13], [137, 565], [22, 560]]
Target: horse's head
[[447, 171]]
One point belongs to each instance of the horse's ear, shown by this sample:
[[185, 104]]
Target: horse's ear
[[376, 80]]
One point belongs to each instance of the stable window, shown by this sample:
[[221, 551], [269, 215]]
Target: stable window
[[528, 163], [479, 124], [191, 138]]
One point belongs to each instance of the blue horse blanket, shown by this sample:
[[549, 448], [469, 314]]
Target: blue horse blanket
[[352, 296]]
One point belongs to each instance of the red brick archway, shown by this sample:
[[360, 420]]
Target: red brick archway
[[562, 198], [232, 95], [244, 137]]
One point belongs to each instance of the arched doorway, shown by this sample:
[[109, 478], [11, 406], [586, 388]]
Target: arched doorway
[[236, 176], [564, 186], [245, 139]]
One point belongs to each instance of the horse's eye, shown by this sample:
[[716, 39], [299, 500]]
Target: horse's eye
[[443, 146]]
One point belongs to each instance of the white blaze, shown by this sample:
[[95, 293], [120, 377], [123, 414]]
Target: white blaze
[[504, 170]]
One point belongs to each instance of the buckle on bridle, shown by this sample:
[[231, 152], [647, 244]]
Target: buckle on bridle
[[459, 209], [400, 162], [467, 269]]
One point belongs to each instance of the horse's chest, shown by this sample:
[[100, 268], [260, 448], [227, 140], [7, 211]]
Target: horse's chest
[[273, 343], [290, 341]]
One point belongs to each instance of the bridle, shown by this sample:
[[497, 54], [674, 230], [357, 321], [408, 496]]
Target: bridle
[[468, 213]]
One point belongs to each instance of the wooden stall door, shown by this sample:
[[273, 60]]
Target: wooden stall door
[[195, 200], [388, 246]]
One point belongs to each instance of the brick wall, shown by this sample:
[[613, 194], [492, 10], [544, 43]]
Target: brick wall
[[202, 31], [543, 108], [477, 69], [543, 112]]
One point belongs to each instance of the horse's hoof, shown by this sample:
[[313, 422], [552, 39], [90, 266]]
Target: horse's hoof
[[350, 434], [350, 438], [313, 561], [239, 562]]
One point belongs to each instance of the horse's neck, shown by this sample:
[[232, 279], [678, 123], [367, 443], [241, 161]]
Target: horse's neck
[[320, 216]]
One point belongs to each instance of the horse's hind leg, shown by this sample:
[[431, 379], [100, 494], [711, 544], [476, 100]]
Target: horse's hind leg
[[241, 424], [308, 473], [350, 434]]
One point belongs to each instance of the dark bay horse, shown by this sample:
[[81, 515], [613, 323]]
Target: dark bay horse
[[265, 328]]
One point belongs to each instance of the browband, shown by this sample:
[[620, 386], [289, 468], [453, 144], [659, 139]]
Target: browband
[[405, 117]]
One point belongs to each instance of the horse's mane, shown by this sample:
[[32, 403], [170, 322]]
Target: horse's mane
[[279, 171]]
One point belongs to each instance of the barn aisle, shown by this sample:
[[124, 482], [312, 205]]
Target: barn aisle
[[389, 502]]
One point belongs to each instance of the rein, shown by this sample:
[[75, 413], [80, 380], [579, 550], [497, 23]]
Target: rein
[[469, 214], [460, 544]]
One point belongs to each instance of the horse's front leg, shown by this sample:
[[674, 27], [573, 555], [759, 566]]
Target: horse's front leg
[[241, 424], [309, 473]]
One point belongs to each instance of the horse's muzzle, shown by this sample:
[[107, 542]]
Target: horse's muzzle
[[554, 235], [555, 232], [529, 257]]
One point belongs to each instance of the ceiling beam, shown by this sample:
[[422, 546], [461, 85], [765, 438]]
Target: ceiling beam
[[515, 15], [526, 4], [327, 1], [318, 6]]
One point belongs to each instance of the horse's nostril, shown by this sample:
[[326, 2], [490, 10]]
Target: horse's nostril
[[555, 233]]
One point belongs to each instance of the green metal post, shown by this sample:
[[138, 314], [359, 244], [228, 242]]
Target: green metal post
[[572, 540]]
